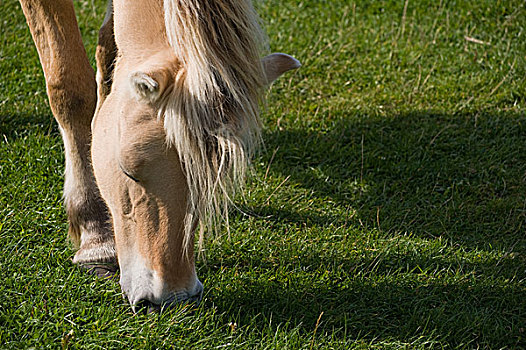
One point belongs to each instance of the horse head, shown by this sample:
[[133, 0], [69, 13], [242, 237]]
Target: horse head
[[172, 139]]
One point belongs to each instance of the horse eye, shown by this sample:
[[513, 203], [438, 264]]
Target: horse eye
[[127, 174]]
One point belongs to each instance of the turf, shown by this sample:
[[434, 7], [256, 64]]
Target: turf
[[386, 211]]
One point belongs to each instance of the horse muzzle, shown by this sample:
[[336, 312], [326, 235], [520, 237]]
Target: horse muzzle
[[144, 304]]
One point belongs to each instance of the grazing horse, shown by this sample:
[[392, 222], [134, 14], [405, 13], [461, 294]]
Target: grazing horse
[[159, 139]]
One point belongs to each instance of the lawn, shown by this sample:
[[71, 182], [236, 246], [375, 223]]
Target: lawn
[[387, 209]]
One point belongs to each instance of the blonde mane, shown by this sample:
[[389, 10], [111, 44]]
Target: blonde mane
[[211, 113]]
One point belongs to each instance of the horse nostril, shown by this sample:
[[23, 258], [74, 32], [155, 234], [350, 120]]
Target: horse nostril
[[145, 306]]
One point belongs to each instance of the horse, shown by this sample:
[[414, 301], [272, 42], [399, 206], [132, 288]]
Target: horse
[[158, 140]]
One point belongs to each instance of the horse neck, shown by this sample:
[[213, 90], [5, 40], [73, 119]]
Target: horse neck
[[139, 28]]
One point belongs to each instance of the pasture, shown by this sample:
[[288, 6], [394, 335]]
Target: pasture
[[387, 209]]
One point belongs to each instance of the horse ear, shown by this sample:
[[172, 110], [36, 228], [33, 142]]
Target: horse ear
[[149, 85], [274, 65]]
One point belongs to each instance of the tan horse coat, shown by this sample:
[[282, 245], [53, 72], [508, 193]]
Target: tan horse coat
[[175, 124]]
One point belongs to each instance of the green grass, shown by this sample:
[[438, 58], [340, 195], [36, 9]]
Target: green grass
[[387, 210]]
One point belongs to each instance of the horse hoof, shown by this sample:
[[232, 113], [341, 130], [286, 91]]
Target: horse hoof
[[102, 270]]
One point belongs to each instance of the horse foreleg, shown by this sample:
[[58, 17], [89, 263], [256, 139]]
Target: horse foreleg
[[71, 88]]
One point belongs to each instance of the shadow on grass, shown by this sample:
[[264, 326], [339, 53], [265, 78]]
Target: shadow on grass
[[395, 293], [428, 175], [12, 126], [456, 313], [461, 177]]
